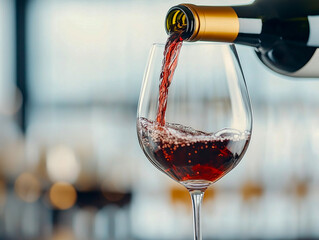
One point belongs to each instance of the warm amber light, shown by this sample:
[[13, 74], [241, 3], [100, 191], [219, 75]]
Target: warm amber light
[[113, 196], [301, 189], [210, 194], [179, 194], [62, 164], [27, 187], [251, 190], [3, 193], [63, 233], [62, 195]]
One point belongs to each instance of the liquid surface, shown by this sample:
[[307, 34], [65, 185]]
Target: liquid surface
[[186, 154]]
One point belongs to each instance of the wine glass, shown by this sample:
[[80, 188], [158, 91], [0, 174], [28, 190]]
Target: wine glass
[[207, 122]]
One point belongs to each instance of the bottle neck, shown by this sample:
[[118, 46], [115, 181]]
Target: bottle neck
[[213, 23], [180, 19], [207, 23]]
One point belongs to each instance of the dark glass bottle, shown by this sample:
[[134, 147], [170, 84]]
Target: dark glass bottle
[[284, 33]]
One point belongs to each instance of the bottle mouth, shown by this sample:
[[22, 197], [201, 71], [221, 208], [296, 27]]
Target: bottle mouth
[[180, 19]]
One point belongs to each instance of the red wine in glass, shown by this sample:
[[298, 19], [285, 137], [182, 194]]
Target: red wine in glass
[[186, 154]]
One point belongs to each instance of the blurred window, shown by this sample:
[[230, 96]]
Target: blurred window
[[7, 88], [90, 51]]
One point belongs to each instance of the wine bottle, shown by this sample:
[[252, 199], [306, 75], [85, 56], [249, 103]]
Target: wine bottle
[[284, 33]]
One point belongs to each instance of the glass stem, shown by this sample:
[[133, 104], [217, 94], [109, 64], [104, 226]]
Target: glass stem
[[197, 198]]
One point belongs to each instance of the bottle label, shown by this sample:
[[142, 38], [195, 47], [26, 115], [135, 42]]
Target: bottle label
[[313, 31], [250, 25], [311, 69]]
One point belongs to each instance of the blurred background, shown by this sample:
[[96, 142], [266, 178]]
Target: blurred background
[[70, 164]]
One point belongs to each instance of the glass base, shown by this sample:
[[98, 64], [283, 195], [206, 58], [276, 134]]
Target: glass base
[[201, 185]]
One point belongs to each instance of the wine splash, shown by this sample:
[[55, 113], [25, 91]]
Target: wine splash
[[187, 154]]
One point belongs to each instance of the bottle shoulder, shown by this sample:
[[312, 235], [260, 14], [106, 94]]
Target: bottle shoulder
[[278, 9], [285, 58]]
